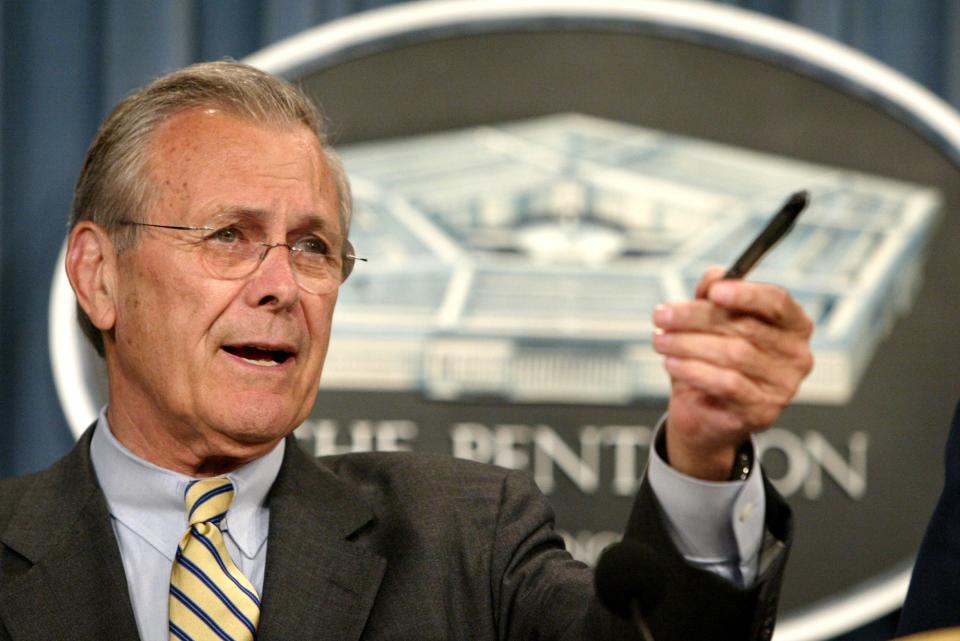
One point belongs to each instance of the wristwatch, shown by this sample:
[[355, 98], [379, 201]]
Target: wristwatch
[[742, 460]]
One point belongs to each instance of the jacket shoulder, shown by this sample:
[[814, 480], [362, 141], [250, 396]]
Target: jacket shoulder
[[12, 491], [414, 470], [417, 484]]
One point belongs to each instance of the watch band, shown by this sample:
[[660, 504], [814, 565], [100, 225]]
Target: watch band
[[742, 460]]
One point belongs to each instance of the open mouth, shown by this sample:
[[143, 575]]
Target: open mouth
[[258, 355]]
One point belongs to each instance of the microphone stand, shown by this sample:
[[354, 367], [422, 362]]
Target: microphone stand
[[639, 621]]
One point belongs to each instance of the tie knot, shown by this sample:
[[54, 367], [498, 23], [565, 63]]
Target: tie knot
[[208, 500]]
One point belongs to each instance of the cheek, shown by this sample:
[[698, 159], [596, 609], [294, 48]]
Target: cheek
[[163, 310], [320, 319], [145, 324]]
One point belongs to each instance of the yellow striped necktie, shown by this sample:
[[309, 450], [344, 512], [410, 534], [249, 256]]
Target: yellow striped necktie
[[210, 599]]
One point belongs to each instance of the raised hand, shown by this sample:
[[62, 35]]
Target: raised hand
[[736, 356]]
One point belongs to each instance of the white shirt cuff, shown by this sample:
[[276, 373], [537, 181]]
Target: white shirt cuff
[[717, 526]]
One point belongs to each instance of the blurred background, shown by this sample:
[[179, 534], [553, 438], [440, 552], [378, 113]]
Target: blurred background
[[66, 63]]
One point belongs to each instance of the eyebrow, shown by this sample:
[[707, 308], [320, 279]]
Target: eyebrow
[[306, 222]]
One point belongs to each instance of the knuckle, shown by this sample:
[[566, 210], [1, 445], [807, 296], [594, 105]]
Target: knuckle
[[806, 362], [730, 384], [780, 303], [717, 316], [747, 295], [748, 327], [767, 414], [739, 353], [799, 359]]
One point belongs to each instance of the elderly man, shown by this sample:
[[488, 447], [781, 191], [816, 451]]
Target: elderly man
[[208, 241]]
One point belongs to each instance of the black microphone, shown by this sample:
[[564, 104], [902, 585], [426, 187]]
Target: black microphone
[[631, 580]]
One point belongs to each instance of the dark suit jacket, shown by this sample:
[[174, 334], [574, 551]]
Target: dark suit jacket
[[933, 600], [369, 546]]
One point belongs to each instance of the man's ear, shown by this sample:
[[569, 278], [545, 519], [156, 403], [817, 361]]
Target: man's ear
[[91, 264]]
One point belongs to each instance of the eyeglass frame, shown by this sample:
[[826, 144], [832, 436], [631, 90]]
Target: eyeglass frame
[[347, 252]]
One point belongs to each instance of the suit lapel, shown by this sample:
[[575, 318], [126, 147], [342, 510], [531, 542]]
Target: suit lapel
[[318, 584], [72, 581]]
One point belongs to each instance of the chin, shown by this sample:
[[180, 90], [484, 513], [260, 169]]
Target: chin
[[258, 423]]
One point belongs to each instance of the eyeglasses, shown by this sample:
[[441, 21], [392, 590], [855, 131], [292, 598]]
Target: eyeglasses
[[235, 250]]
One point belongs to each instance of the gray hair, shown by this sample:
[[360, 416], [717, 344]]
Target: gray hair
[[115, 179]]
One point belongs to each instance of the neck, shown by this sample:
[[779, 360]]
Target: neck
[[192, 452]]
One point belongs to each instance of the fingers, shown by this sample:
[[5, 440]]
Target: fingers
[[736, 358], [743, 342], [737, 402], [768, 302], [727, 355], [711, 276], [716, 382], [759, 312], [761, 300], [735, 353]]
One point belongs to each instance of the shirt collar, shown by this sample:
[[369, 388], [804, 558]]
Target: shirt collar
[[148, 499]]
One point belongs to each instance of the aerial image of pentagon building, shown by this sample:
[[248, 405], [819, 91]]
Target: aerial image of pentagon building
[[523, 260]]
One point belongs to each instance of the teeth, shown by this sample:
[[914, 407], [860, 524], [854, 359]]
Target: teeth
[[262, 363], [258, 356]]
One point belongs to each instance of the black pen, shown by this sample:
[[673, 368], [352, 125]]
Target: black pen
[[776, 229]]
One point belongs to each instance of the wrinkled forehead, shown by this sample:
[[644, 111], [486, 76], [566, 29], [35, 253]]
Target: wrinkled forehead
[[205, 154], [222, 132]]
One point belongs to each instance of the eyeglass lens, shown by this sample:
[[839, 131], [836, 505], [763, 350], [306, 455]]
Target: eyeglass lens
[[317, 273]]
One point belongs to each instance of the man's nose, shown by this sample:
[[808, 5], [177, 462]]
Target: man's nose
[[275, 276]]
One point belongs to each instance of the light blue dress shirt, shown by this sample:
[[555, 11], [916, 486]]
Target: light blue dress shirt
[[149, 517], [716, 526]]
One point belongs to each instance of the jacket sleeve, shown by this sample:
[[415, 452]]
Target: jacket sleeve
[[539, 592], [698, 604]]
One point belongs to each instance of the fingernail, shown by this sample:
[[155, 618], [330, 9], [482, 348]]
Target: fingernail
[[662, 314], [660, 339]]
